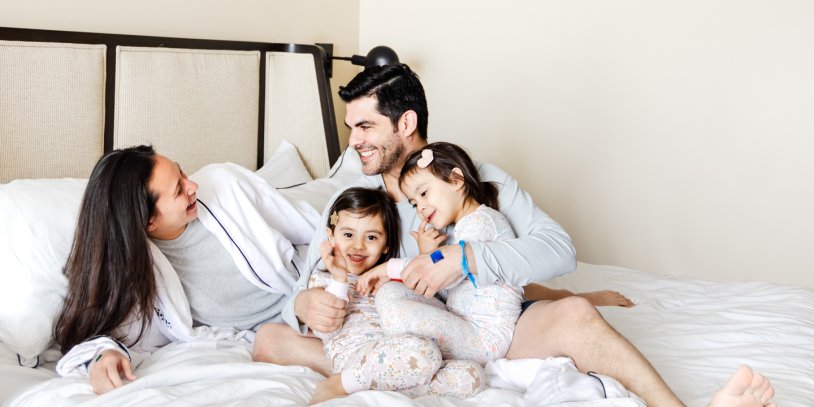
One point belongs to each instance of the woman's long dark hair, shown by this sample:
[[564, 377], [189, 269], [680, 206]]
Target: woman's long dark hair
[[110, 270], [446, 157], [370, 202]]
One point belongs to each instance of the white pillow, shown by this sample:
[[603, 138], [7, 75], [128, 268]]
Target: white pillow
[[284, 168], [317, 193], [349, 165], [37, 220]]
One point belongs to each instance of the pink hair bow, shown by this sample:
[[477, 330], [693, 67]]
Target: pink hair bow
[[426, 158]]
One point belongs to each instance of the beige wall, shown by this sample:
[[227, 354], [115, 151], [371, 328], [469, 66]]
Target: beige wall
[[302, 22], [668, 137], [671, 137]]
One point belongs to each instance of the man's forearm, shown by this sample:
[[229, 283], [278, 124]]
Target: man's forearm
[[290, 314], [523, 260]]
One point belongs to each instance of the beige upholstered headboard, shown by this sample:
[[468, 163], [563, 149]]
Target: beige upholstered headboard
[[67, 97]]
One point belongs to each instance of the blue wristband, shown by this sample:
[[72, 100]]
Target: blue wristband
[[436, 256], [465, 264]]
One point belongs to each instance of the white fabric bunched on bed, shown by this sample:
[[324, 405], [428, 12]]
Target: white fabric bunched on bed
[[556, 381], [256, 224]]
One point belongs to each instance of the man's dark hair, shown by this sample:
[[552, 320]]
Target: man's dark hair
[[396, 88]]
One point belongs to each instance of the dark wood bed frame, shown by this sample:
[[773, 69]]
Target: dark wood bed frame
[[114, 40]]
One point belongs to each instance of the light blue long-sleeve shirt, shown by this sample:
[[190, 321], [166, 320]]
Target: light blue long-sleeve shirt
[[541, 251]]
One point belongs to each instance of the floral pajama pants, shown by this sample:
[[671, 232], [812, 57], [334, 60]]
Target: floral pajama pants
[[476, 324], [368, 358]]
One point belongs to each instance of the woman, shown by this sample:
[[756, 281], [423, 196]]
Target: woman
[[149, 265]]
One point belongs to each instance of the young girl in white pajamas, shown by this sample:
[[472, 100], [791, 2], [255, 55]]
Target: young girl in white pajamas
[[477, 323], [362, 233], [442, 182]]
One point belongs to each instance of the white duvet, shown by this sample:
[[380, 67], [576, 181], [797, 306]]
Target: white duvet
[[221, 373], [695, 333]]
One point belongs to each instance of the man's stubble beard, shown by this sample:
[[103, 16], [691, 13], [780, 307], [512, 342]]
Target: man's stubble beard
[[390, 157]]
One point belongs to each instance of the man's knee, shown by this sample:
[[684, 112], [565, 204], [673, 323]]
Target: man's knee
[[569, 311], [547, 328], [576, 310]]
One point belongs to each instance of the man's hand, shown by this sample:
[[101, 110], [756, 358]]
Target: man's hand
[[426, 278], [428, 238], [107, 370], [320, 310], [372, 279]]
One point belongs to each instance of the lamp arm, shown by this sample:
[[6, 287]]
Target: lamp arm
[[379, 55]]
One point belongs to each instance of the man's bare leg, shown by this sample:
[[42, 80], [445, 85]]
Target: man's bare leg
[[607, 298], [281, 345], [573, 327], [601, 298]]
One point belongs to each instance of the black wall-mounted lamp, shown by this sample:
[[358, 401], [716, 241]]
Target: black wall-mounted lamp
[[380, 55]]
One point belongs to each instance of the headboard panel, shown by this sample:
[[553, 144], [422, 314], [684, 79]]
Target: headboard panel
[[164, 95], [52, 111], [73, 96], [291, 109]]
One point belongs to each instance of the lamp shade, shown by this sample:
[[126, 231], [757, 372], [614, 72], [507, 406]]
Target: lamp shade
[[378, 56], [381, 55]]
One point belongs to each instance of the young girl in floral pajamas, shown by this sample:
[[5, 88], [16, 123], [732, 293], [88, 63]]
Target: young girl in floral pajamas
[[363, 232], [477, 323]]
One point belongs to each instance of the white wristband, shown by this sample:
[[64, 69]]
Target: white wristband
[[394, 268], [338, 289]]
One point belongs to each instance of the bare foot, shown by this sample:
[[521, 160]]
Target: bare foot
[[744, 389], [606, 297], [330, 388]]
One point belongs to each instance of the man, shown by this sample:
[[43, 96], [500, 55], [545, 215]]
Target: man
[[387, 114]]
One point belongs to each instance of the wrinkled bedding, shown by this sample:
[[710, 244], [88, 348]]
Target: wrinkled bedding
[[696, 333]]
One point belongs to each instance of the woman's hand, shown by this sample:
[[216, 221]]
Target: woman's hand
[[429, 239], [372, 279], [107, 370], [334, 261]]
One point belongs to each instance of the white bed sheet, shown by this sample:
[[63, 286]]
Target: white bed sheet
[[14, 378], [221, 374], [695, 333]]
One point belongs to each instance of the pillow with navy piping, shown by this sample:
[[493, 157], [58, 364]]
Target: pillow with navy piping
[[346, 169], [284, 169]]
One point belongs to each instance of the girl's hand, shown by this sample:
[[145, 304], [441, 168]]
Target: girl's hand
[[334, 262], [429, 239], [372, 279], [107, 370]]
